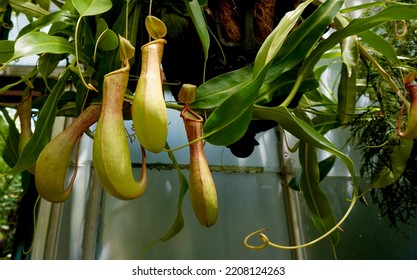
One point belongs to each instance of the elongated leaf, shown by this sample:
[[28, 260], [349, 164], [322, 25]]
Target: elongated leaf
[[281, 86], [39, 43], [45, 4], [6, 50], [28, 8], [325, 166], [105, 38], [356, 26], [215, 91], [391, 13], [178, 223], [26, 77], [299, 44], [304, 38], [230, 130], [346, 95], [274, 41], [317, 201], [11, 149], [389, 172], [43, 128], [363, 6], [295, 181], [48, 63], [323, 123], [349, 47], [200, 25], [380, 45], [58, 16], [92, 7], [86, 43], [230, 120], [302, 130], [350, 54]]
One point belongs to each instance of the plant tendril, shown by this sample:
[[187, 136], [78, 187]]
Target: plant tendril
[[89, 85], [266, 242], [34, 226], [403, 29]]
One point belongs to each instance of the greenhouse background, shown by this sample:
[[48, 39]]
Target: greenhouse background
[[253, 194]]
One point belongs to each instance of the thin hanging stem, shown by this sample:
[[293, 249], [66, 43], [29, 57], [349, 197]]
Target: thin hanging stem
[[89, 86], [150, 13], [126, 19], [266, 242]]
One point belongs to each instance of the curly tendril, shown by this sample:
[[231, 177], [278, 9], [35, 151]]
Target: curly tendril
[[402, 31], [266, 242]]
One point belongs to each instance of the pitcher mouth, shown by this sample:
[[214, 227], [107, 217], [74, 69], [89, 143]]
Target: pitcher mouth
[[154, 42]]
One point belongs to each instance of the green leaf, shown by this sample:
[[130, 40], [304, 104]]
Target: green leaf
[[80, 95], [230, 120], [389, 172], [45, 4], [26, 77], [11, 149], [28, 8], [215, 91], [356, 26], [281, 86], [301, 130], [304, 38], [349, 47], [275, 40], [301, 42], [86, 43], [380, 45], [325, 122], [39, 43], [326, 165], [6, 50], [317, 201], [106, 39], [58, 16], [178, 223], [363, 6], [195, 11], [394, 12], [230, 129], [346, 95], [350, 54], [92, 7], [331, 55], [43, 128], [295, 181], [47, 64]]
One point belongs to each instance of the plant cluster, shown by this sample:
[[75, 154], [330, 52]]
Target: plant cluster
[[232, 78], [10, 193], [374, 130]]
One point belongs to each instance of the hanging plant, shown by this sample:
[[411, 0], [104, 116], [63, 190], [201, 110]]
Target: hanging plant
[[248, 79]]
